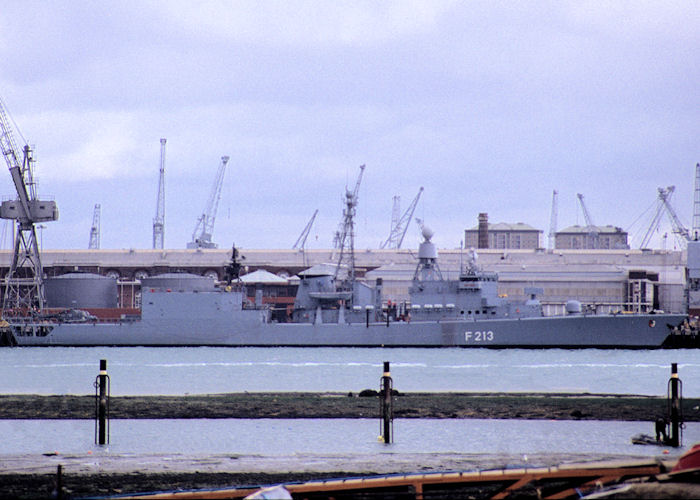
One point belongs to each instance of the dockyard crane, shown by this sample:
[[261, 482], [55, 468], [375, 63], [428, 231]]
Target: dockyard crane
[[95, 229], [345, 236], [301, 240], [24, 285], [201, 236], [159, 219], [593, 230], [664, 205], [678, 228], [553, 220], [399, 226]]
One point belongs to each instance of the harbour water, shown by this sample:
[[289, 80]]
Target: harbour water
[[207, 370], [178, 371], [277, 437]]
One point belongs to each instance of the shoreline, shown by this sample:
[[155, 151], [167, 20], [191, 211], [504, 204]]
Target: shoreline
[[292, 405], [34, 477]]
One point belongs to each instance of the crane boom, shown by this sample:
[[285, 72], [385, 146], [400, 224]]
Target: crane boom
[[677, 225], [663, 193], [586, 215], [593, 230], [664, 205], [94, 243], [400, 226], [301, 240], [203, 230], [159, 219], [24, 289]]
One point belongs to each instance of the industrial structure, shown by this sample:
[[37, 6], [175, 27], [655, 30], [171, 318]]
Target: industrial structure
[[681, 233], [159, 219], [24, 282], [501, 235], [94, 243], [300, 243], [345, 237], [606, 279], [592, 264], [204, 229], [399, 223], [551, 237], [591, 238]]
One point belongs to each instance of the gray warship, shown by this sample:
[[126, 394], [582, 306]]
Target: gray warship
[[334, 309]]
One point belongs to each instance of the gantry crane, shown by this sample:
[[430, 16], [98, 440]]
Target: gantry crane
[[201, 236], [95, 229], [159, 219], [593, 231], [24, 285], [345, 237], [399, 226]]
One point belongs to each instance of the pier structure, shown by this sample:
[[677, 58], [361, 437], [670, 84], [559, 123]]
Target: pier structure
[[607, 280]]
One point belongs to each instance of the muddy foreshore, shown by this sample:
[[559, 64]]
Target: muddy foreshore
[[549, 406], [33, 477]]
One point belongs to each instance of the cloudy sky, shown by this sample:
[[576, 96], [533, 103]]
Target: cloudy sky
[[488, 105]]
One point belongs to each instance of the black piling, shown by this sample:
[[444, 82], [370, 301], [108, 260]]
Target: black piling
[[59, 483], [675, 398], [386, 405], [102, 405]]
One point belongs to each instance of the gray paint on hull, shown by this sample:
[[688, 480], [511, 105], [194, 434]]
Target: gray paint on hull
[[249, 329]]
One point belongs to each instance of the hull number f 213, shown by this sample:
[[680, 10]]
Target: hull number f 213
[[478, 336]]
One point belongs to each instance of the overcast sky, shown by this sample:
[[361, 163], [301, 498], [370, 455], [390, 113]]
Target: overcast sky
[[487, 105]]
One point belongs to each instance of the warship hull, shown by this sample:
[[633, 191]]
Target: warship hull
[[251, 329]]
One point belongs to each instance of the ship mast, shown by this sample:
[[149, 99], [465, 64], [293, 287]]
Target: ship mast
[[427, 268], [346, 234]]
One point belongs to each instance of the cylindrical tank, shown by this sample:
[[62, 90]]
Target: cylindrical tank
[[178, 282], [81, 290], [573, 307]]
